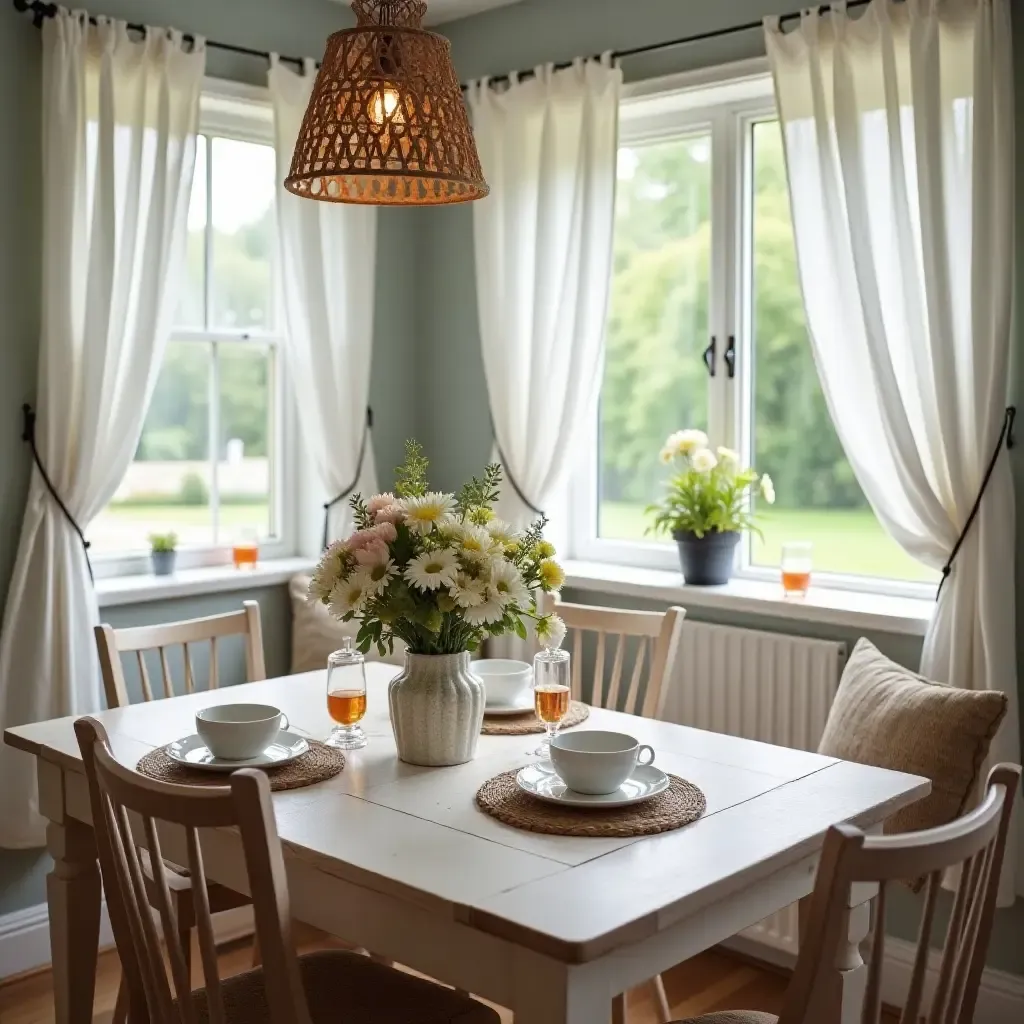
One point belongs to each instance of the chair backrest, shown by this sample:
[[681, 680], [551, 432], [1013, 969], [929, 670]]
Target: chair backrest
[[657, 638], [119, 798], [112, 643], [975, 843]]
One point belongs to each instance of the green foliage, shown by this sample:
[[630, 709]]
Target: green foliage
[[480, 493], [706, 502], [193, 490], [411, 476], [159, 542]]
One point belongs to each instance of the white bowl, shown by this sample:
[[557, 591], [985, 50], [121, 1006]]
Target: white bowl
[[506, 682]]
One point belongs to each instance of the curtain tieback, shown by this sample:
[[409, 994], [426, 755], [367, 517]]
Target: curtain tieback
[[1005, 435], [328, 505], [28, 434]]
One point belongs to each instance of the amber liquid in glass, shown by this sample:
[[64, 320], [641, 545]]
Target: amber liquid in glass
[[346, 707], [245, 555], [551, 703], [796, 582]]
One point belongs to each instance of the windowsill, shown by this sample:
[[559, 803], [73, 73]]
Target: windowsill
[[888, 614], [122, 590]]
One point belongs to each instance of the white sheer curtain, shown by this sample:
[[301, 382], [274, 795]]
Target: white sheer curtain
[[543, 238], [327, 254], [898, 129], [119, 144]]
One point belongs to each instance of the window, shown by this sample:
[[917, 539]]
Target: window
[[706, 329], [208, 463]]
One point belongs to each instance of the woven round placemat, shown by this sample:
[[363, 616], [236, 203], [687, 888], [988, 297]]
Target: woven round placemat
[[680, 804], [527, 722], [318, 764]]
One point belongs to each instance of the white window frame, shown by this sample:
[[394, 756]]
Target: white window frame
[[237, 111], [726, 100]]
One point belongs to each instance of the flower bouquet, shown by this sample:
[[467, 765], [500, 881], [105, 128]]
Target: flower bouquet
[[706, 505], [441, 573]]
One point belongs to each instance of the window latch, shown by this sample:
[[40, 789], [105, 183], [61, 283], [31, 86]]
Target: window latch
[[730, 357], [709, 356]]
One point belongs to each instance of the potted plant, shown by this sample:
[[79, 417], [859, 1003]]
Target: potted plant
[[441, 573], [163, 552], [706, 505]]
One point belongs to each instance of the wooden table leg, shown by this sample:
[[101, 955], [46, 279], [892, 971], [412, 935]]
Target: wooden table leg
[[73, 897], [844, 987], [548, 992]]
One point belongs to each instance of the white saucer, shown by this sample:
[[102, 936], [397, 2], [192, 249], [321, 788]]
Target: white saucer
[[510, 709], [538, 780], [192, 752]]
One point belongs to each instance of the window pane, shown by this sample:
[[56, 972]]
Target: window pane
[[654, 379], [818, 498], [192, 303], [244, 177], [244, 472], [167, 487]]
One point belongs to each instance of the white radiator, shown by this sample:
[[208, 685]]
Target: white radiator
[[762, 686]]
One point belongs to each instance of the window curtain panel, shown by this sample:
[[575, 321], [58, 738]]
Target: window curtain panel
[[327, 256], [119, 123], [543, 247], [899, 135]]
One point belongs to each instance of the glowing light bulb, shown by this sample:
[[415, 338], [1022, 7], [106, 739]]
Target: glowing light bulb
[[384, 106]]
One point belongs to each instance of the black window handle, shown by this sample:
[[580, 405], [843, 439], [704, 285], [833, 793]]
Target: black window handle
[[730, 356], [709, 356]]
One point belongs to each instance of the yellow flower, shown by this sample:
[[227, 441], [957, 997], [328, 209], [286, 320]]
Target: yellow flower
[[545, 549], [552, 575], [481, 516]]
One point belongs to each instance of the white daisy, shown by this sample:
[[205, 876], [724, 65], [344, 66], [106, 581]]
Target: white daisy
[[767, 489], [423, 514], [502, 532], [490, 611], [329, 570], [377, 577], [728, 456], [703, 460], [467, 592], [684, 442], [507, 585], [475, 541], [550, 631], [350, 595], [433, 569]]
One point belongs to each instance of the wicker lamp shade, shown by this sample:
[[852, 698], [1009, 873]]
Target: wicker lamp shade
[[386, 123]]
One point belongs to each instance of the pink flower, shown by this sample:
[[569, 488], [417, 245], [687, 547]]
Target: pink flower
[[390, 514], [386, 531], [374, 553], [360, 539], [380, 501]]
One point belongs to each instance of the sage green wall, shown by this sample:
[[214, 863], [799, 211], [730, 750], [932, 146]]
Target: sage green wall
[[293, 28], [453, 421]]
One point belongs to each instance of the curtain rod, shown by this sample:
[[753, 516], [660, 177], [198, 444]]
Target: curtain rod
[[41, 11]]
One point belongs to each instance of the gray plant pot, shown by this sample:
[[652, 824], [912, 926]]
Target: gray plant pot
[[707, 561], [162, 562], [437, 709]]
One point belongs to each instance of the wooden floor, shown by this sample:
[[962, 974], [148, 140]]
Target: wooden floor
[[712, 981]]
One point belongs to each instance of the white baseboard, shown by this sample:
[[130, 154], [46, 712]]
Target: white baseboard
[[1000, 1001], [25, 935]]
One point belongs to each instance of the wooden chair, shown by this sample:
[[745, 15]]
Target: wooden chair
[[314, 989], [976, 842], [658, 636], [111, 644]]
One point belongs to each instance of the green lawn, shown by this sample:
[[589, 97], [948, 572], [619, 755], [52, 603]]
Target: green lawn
[[845, 540], [127, 527]]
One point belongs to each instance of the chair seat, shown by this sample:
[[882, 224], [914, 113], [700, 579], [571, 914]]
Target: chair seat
[[732, 1017], [342, 986]]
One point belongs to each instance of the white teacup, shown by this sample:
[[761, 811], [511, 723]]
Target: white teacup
[[506, 682], [237, 732], [596, 762]]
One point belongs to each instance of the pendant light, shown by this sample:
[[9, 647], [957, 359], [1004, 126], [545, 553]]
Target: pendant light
[[386, 123]]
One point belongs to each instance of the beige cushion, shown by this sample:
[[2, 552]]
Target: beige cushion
[[346, 988], [315, 633], [889, 717], [733, 1017]]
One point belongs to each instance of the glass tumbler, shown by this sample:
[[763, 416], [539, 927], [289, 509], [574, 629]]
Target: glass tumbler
[[796, 568], [551, 692], [346, 696]]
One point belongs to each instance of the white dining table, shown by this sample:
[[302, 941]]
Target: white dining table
[[399, 859]]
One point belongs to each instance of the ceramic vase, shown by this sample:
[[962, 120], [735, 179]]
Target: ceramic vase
[[437, 709]]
